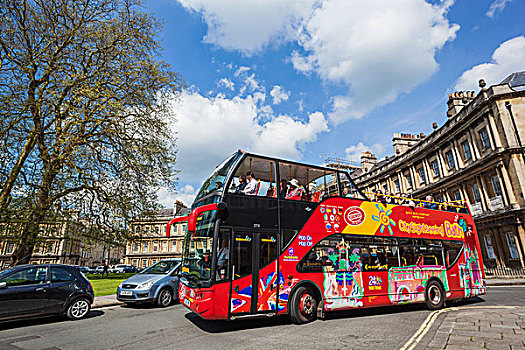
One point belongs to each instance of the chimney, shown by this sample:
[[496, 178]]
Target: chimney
[[458, 100], [402, 142], [368, 160], [178, 207]]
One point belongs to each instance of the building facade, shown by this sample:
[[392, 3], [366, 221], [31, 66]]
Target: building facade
[[150, 243], [61, 242], [476, 156]]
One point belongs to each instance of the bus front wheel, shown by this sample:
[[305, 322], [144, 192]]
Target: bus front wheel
[[303, 306], [434, 295]]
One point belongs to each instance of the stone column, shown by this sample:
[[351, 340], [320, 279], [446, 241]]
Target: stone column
[[457, 155], [494, 131], [475, 151], [484, 199]]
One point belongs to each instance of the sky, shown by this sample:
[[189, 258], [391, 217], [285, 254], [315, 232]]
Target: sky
[[310, 79]]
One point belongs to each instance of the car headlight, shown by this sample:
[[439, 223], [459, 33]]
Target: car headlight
[[120, 285], [145, 285]]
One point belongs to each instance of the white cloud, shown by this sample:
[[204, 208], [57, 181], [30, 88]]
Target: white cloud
[[208, 129], [353, 153], [167, 198], [250, 26], [376, 49], [227, 83], [509, 57], [497, 6], [279, 94], [376, 56]]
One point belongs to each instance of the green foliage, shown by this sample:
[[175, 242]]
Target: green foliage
[[83, 118]]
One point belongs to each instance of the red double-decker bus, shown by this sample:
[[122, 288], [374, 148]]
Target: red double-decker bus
[[298, 239]]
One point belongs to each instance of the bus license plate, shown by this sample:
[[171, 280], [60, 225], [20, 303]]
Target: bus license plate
[[126, 292], [187, 302]]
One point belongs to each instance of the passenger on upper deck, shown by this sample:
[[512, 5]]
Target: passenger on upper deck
[[429, 204], [283, 190], [346, 192], [241, 185], [296, 191], [270, 192], [251, 186]]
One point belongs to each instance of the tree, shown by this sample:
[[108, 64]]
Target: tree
[[83, 125]]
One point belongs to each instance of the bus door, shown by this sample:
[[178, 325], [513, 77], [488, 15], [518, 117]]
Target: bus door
[[252, 292]]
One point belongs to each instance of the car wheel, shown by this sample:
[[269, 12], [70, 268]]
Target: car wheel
[[78, 309], [303, 306], [165, 297], [434, 295]]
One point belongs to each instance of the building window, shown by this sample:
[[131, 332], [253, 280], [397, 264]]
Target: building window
[[484, 135], [135, 262], [173, 247], [397, 185], [10, 248], [409, 180], [450, 160], [466, 150], [489, 247], [164, 246], [457, 196], [435, 168], [136, 247], [183, 229], [496, 185], [155, 247], [146, 247], [422, 175], [144, 263], [513, 247], [137, 229], [476, 194]]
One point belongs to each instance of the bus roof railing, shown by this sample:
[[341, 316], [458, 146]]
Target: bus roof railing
[[462, 203]]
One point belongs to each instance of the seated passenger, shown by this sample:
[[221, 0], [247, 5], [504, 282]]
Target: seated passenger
[[251, 185], [241, 185], [296, 191], [402, 200], [270, 192], [429, 203], [283, 189], [346, 192]]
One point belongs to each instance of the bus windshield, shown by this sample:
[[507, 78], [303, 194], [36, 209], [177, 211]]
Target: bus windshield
[[196, 257], [215, 182]]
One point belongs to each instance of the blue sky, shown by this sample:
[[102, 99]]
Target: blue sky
[[307, 79]]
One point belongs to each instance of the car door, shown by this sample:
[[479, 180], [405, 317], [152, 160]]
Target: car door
[[61, 287], [24, 292]]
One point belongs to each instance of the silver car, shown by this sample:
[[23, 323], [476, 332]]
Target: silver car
[[158, 283]]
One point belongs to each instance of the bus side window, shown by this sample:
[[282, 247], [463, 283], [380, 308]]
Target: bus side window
[[452, 250]]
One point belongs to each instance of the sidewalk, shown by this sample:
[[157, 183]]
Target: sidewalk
[[481, 327], [505, 281], [105, 300]]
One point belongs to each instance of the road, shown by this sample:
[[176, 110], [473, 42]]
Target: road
[[146, 327]]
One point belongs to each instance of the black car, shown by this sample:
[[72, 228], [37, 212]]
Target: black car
[[37, 290]]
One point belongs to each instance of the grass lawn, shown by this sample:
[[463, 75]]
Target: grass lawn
[[105, 285]]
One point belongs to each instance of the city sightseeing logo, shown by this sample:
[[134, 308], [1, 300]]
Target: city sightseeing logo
[[354, 216]]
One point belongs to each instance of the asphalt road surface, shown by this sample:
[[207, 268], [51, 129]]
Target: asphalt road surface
[[147, 327]]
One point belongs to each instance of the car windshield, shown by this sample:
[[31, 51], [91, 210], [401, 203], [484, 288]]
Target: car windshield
[[5, 272], [160, 268]]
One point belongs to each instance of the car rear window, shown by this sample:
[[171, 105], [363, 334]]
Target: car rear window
[[59, 274]]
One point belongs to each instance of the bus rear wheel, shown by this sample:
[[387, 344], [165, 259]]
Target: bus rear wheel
[[434, 295], [303, 306]]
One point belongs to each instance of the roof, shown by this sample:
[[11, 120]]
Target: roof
[[184, 212], [515, 80]]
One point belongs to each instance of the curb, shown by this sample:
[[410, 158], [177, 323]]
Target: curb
[[509, 283], [105, 301]]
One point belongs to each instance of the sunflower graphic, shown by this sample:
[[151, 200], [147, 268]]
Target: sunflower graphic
[[384, 219]]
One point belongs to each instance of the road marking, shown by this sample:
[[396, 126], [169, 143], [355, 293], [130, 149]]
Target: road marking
[[425, 327], [431, 318]]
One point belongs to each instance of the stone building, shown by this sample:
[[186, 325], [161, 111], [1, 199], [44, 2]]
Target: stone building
[[150, 243], [61, 242], [477, 155]]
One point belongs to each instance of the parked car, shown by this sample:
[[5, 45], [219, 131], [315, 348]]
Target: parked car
[[158, 283], [120, 268], [131, 269], [86, 270], [37, 290]]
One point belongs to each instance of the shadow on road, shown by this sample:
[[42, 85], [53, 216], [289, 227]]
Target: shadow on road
[[244, 324], [26, 322]]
